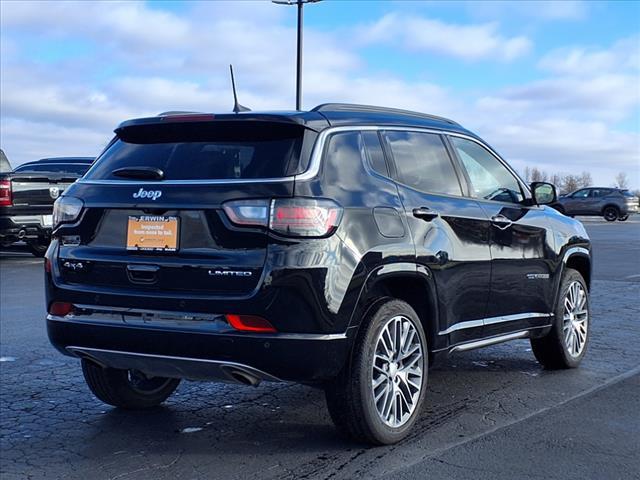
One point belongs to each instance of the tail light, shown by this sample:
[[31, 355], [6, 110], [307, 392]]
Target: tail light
[[290, 217], [6, 195], [60, 309], [250, 323], [66, 210]]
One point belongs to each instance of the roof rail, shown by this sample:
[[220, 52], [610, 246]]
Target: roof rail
[[351, 107]]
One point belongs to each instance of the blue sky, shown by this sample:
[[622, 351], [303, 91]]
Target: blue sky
[[549, 84]]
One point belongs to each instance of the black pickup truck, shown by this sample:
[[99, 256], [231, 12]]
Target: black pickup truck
[[27, 195]]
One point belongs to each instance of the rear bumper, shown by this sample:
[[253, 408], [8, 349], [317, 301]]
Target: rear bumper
[[200, 352], [23, 227]]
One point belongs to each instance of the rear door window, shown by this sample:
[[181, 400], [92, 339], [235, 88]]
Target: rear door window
[[422, 162], [205, 151]]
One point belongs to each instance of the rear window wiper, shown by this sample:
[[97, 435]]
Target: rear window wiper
[[141, 173]]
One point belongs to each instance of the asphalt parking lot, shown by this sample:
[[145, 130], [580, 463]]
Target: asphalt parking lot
[[492, 413]]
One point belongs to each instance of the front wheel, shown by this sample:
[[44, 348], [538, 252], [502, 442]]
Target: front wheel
[[379, 395], [565, 345], [127, 389], [610, 214]]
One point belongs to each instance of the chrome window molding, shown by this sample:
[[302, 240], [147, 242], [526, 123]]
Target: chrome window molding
[[314, 164], [493, 320]]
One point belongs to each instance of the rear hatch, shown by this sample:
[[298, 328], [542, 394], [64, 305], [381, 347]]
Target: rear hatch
[[35, 192], [153, 218]]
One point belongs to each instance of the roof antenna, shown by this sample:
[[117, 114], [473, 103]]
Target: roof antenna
[[236, 106]]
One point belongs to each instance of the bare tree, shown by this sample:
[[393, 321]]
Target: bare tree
[[538, 175], [585, 180], [570, 183], [621, 180], [556, 179]]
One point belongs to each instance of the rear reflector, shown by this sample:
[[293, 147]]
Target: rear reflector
[[60, 309], [47, 265], [250, 323], [6, 199]]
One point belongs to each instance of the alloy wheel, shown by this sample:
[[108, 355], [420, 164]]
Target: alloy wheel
[[396, 376], [575, 320]]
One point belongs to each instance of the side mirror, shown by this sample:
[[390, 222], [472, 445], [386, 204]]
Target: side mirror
[[543, 193]]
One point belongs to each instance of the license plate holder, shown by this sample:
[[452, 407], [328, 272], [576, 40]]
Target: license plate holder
[[157, 233]]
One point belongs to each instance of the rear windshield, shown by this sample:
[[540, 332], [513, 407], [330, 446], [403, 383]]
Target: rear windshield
[[205, 151]]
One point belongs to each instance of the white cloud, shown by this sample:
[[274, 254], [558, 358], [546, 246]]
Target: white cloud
[[565, 120], [623, 56], [466, 41]]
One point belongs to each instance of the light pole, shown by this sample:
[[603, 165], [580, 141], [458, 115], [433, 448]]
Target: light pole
[[300, 4]]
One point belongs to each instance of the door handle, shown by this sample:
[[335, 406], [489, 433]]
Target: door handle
[[425, 213], [501, 222]]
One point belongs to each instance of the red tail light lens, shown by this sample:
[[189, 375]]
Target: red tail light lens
[[60, 309], [6, 195], [250, 323], [304, 217], [290, 217]]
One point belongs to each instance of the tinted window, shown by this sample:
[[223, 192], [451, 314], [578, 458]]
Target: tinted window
[[490, 179], [581, 193], [423, 162], [375, 152], [600, 192], [233, 150]]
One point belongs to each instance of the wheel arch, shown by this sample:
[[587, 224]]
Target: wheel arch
[[578, 258], [409, 282]]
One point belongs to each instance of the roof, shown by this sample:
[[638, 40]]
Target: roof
[[319, 118]]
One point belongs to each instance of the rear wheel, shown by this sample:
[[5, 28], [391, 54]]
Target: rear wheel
[[565, 345], [378, 397], [610, 214], [128, 389], [38, 248]]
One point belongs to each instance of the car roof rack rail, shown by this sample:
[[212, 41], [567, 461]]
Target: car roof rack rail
[[176, 112], [352, 107]]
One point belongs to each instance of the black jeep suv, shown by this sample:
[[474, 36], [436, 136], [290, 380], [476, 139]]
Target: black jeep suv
[[345, 247]]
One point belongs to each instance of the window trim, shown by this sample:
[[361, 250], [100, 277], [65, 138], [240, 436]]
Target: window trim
[[313, 167], [396, 174]]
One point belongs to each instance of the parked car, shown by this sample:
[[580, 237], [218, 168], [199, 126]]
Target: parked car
[[5, 166], [68, 165], [26, 199], [611, 203], [347, 247]]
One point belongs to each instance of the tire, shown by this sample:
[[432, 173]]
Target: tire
[[610, 214], [350, 397], [37, 249], [566, 344], [623, 218], [126, 388]]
